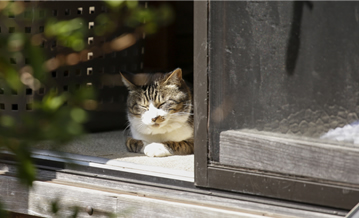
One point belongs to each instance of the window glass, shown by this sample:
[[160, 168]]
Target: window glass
[[284, 67]]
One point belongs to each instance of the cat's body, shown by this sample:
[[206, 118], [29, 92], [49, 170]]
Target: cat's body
[[160, 115]]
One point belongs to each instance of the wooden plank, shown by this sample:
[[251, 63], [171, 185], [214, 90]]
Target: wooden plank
[[200, 92], [284, 187], [286, 155], [209, 198], [159, 208], [13, 195], [138, 203]]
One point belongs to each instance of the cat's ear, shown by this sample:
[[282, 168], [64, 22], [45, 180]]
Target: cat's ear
[[174, 77], [127, 82]]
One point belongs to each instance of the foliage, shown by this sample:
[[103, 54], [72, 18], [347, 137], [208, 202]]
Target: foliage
[[56, 117]]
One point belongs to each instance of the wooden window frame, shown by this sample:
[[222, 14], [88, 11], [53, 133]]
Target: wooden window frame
[[210, 180], [250, 180]]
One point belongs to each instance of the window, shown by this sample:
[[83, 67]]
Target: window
[[239, 48], [272, 94], [109, 120]]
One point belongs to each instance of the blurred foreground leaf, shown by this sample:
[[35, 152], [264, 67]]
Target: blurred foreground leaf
[[57, 118], [3, 213]]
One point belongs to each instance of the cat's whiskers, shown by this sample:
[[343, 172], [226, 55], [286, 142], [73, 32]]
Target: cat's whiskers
[[126, 130]]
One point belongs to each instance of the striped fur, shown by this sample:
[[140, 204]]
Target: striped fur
[[134, 145], [160, 113]]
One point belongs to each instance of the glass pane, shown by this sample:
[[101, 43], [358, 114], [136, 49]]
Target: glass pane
[[284, 67]]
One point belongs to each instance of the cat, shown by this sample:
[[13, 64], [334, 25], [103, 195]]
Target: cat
[[160, 113]]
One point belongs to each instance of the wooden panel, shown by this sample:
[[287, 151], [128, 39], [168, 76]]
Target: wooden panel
[[13, 195], [284, 187], [308, 158], [200, 92], [113, 186], [139, 203], [136, 206], [37, 201]]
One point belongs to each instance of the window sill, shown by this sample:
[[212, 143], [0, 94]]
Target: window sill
[[109, 194]]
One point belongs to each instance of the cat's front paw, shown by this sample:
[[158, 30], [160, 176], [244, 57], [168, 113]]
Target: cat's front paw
[[156, 150]]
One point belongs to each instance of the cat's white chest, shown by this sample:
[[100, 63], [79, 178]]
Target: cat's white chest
[[174, 128]]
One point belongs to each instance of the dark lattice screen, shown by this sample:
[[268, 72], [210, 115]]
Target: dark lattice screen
[[96, 65]]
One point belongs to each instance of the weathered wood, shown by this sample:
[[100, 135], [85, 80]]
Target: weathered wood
[[283, 187], [272, 153], [37, 201], [13, 195], [74, 188], [200, 66], [106, 201]]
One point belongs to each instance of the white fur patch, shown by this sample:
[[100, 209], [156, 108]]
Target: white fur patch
[[174, 128], [152, 112], [156, 150]]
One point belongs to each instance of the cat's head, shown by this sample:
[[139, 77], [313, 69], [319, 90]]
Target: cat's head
[[157, 103]]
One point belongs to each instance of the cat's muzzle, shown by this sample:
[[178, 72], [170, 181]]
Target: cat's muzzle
[[157, 120]]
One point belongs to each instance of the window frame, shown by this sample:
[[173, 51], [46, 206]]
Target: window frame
[[243, 180], [210, 179]]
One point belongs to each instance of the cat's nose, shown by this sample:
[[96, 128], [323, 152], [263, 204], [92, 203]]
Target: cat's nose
[[154, 119], [158, 119]]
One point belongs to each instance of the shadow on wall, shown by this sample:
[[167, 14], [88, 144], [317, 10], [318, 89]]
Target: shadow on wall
[[294, 35]]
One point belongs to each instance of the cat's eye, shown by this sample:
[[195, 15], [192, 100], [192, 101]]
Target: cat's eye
[[161, 105], [142, 107], [169, 106]]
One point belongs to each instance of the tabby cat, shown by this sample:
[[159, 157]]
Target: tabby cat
[[160, 114]]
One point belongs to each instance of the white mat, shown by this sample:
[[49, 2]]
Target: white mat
[[111, 145]]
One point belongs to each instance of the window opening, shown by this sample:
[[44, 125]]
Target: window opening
[[28, 91], [79, 10], [104, 76], [78, 72], [27, 29], [91, 25], [92, 10], [66, 73], [14, 107], [89, 71], [67, 12]]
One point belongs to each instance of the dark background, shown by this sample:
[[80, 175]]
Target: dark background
[[172, 46]]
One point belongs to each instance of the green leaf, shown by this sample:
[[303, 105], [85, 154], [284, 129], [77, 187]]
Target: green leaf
[[132, 4], [52, 102], [78, 115], [36, 59], [115, 4], [12, 78], [25, 170], [3, 212], [7, 121]]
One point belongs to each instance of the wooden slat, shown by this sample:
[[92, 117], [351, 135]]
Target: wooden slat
[[106, 200], [37, 201], [272, 153], [200, 66], [110, 186], [283, 187]]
